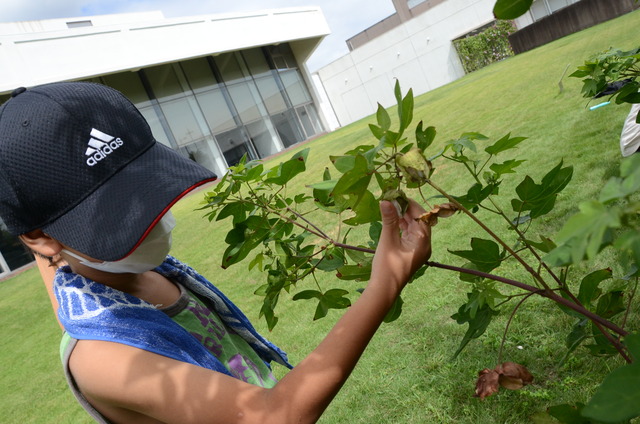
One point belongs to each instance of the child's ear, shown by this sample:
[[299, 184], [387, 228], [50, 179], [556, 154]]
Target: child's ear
[[41, 243]]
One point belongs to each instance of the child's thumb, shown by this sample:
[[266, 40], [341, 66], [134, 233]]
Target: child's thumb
[[390, 218]]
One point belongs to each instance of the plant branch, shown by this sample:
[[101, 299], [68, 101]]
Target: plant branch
[[508, 248], [549, 294]]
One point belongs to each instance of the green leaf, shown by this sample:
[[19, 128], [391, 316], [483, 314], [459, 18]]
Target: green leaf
[[352, 186], [332, 299], [628, 94], [578, 335], [611, 304], [321, 310], [568, 414], [540, 198], [395, 311], [425, 137], [377, 132], [384, 121], [257, 260], [284, 172], [375, 230], [405, 113], [343, 163], [307, 294], [585, 233], [589, 286], [477, 324], [632, 342], [235, 209], [484, 254], [511, 9], [332, 259], [505, 143], [616, 399], [506, 167], [366, 210], [243, 238], [354, 272], [629, 242], [628, 182], [465, 141], [546, 245], [398, 94]]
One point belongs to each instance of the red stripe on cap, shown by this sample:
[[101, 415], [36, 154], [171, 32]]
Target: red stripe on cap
[[164, 211]]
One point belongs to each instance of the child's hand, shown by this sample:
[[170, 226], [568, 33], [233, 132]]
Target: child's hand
[[405, 244]]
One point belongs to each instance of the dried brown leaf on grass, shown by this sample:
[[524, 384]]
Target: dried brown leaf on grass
[[509, 375]]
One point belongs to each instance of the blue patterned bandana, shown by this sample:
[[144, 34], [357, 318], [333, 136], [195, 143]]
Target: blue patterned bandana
[[92, 311]]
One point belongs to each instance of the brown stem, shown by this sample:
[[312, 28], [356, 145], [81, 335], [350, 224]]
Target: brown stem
[[526, 266], [549, 294], [347, 246]]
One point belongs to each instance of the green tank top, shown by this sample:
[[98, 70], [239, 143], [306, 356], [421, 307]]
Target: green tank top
[[233, 351]]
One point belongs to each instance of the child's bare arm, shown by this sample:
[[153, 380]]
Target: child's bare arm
[[171, 391]]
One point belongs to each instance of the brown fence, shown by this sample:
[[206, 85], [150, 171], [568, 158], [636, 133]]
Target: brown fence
[[574, 18]]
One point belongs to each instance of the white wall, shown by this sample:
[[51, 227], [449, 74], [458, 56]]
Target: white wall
[[418, 53], [39, 52]]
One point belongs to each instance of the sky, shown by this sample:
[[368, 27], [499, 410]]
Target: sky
[[345, 17]]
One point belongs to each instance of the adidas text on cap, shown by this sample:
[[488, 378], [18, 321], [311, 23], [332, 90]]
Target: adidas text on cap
[[79, 162]]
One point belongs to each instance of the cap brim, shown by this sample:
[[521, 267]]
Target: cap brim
[[114, 219]]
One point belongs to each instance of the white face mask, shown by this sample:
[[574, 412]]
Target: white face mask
[[149, 254]]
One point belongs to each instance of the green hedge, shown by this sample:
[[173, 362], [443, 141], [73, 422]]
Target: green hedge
[[491, 45]]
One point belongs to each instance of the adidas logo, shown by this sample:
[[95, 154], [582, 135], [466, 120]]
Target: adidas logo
[[100, 146]]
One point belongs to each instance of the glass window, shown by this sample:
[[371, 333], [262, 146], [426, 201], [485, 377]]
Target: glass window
[[287, 128], [199, 74], [244, 102], [256, 61], [182, 121], [315, 119], [164, 82], [295, 87], [271, 95], [306, 121], [205, 153], [229, 67], [129, 84], [262, 138], [414, 3], [282, 56], [15, 254], [155, 124], [216, 111], [234, 144], [79, 24]]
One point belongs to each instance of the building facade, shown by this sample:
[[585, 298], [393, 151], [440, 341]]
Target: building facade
[[214, 88], [414, 46]]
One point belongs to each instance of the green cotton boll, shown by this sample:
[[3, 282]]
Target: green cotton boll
[[414, 167], [398, 198]]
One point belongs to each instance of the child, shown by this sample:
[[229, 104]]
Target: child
[[147, 339]]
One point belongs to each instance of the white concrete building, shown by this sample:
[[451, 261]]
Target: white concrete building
[[414, 46], [213, 87]]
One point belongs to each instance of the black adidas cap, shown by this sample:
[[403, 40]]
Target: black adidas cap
[[79, 162]]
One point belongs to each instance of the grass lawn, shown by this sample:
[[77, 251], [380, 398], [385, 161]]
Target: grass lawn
[[406, 375]]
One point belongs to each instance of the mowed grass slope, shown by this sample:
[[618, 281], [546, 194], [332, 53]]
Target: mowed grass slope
[[406, 375]]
